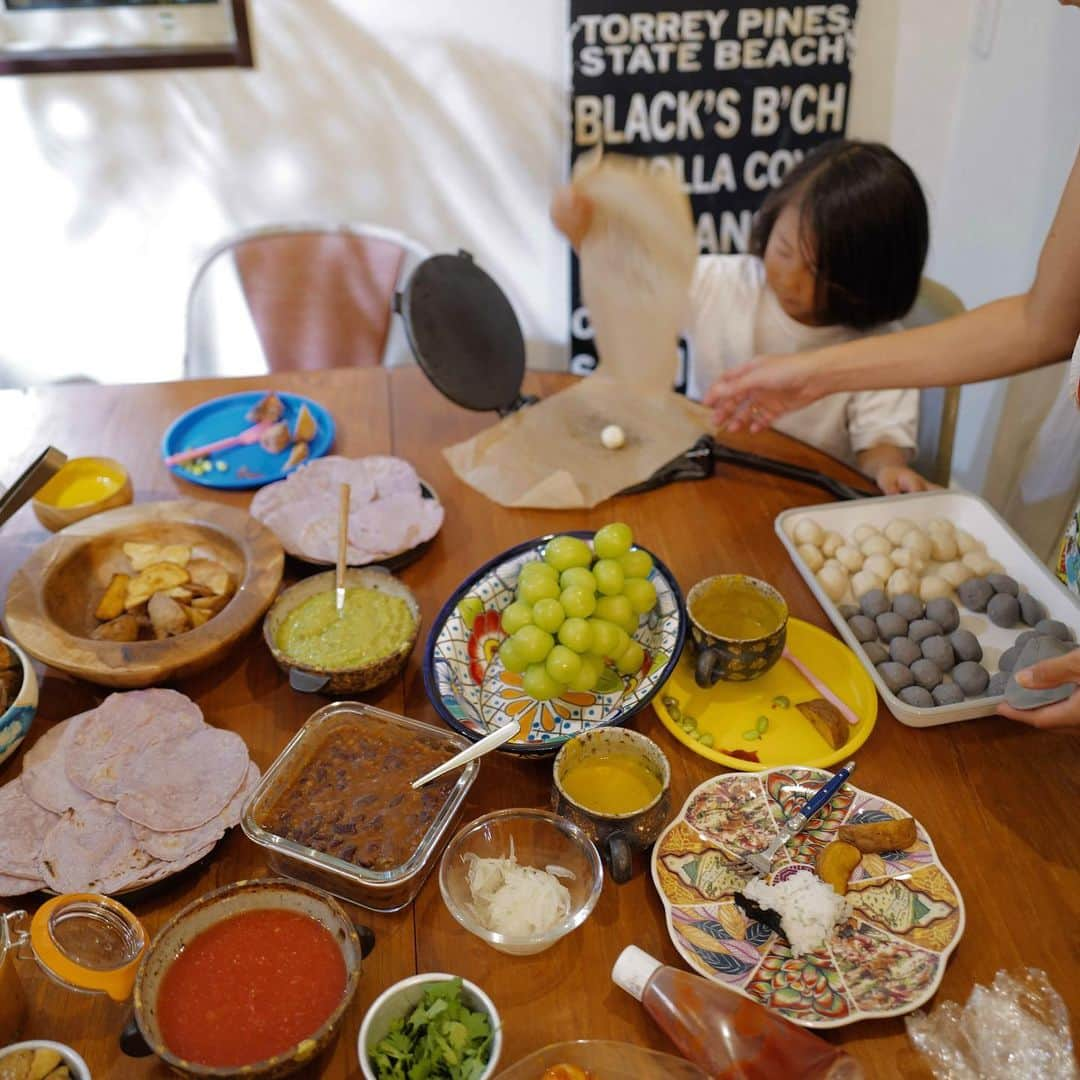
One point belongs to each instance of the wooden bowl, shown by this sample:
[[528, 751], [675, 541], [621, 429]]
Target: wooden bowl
[[309, 679], [58, 505], [207, 911], [51, 599]]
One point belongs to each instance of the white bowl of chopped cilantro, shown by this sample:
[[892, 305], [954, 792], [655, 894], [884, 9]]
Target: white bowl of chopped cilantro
[[440, 1021]]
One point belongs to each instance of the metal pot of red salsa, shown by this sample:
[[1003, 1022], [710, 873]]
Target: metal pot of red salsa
[[250, 980]]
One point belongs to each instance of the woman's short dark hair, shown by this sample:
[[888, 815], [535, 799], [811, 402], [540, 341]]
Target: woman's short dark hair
[[864, 218]]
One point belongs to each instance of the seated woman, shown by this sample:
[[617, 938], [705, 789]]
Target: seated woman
[[837, 254]]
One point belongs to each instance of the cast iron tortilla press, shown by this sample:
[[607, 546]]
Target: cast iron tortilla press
[[467, 340]]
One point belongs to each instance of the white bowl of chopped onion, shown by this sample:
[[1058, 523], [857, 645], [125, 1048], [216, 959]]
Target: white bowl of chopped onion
[[521, 879]]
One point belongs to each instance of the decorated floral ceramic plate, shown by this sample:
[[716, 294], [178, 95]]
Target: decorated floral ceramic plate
[[886, 958], [474, 694], [747, 725]]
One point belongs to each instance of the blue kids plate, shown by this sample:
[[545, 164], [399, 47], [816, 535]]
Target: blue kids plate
[[245, 466]]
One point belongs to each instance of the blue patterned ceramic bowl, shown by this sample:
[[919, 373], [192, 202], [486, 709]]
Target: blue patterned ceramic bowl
[[474, 694], [16, 720]]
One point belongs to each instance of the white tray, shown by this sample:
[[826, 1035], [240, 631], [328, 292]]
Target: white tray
[[965, 511]]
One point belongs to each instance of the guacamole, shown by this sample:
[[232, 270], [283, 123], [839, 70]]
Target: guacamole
[[372, 625]]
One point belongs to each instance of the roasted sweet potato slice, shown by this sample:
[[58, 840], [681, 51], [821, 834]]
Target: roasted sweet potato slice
[[111, 604], [836, 862], [828, 722], [874, 837]]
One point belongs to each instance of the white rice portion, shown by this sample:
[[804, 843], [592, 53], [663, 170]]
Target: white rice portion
[[808, 908]]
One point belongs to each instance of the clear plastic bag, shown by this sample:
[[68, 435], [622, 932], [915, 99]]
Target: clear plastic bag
[[1018, 1027]]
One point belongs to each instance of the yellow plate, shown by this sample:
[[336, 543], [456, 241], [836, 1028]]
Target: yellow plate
[[729, 711]]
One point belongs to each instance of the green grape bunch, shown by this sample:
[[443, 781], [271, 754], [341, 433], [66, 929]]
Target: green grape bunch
[[576, 611]]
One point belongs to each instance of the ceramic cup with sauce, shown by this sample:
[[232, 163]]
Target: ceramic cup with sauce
[[597, 785], [738, 628]]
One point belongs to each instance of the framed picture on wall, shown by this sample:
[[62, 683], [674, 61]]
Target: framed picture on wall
[[117, 35]]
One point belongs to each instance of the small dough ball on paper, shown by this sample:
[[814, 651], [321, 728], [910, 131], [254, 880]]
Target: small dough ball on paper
[[901, 582], [965, 542], [955, 573], [864, 532], [808, 531], [811, 556], [881, 565], [917, 541], [834, 581], [876, 545], [831, 544], [979, 563], [943, 547], [849, 558], [896, 528], [613, 437], [864, 581], [932, 587]]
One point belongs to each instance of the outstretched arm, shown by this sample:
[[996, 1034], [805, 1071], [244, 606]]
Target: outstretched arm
[[1005, 337]]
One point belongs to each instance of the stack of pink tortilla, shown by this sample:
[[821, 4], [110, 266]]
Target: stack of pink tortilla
[[121, 796], [388, 514]]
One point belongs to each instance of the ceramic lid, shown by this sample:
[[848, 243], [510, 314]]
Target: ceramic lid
[[464, 333]]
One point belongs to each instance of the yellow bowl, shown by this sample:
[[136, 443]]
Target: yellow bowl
[[83, 486]]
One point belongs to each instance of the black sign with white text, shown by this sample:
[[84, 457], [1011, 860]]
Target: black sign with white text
[[728, 98]]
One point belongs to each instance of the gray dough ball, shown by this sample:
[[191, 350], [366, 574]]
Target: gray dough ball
[[975, 593], [927, 674], [972, 678], [1003, 610], [944, 612], [891, 625], [863, 628], [1024, 637], [918, 696], [895, 676], [940, 651], [874, 603], [909, 606], [1055, 628], [848, 611], [996, 686], [1032, 611], [948, 693], [966, 645], [1043, 647], [1008, 659], [1002, 583], [904, 651], [921, 629], [876, 652]]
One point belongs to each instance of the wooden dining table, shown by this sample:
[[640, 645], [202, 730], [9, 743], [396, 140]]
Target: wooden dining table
[[998, 798]]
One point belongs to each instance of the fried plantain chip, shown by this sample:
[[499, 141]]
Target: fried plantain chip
[[45, 1061], [123, 628], [297, 454], [212, 575], [213, 604], [166, 616], [175, 553], [142, 555], [112, 602], [305, 428], [198, 616], [157, 577]]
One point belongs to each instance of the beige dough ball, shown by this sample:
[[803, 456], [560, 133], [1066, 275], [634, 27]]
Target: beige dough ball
[[808, 531], [849, 558], [831, 544], [881, 565], [865, 581], [876, 545], [943, 547], [900, 582], [931, 587], [956, 573], [906, 559], [864, 532], [941, 525], [811, 556], [996, 567], [834, 581], [896, 528], [789, 527], [916, 540], [965, 542], [979, 563]]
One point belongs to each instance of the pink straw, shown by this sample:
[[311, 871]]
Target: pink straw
[[847, 713]]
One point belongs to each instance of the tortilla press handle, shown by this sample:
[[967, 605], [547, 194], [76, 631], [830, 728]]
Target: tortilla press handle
[[748, 460]]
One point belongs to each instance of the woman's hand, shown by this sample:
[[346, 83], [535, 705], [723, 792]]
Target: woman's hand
[[754, 396], [572, 214], [1062, 716]]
